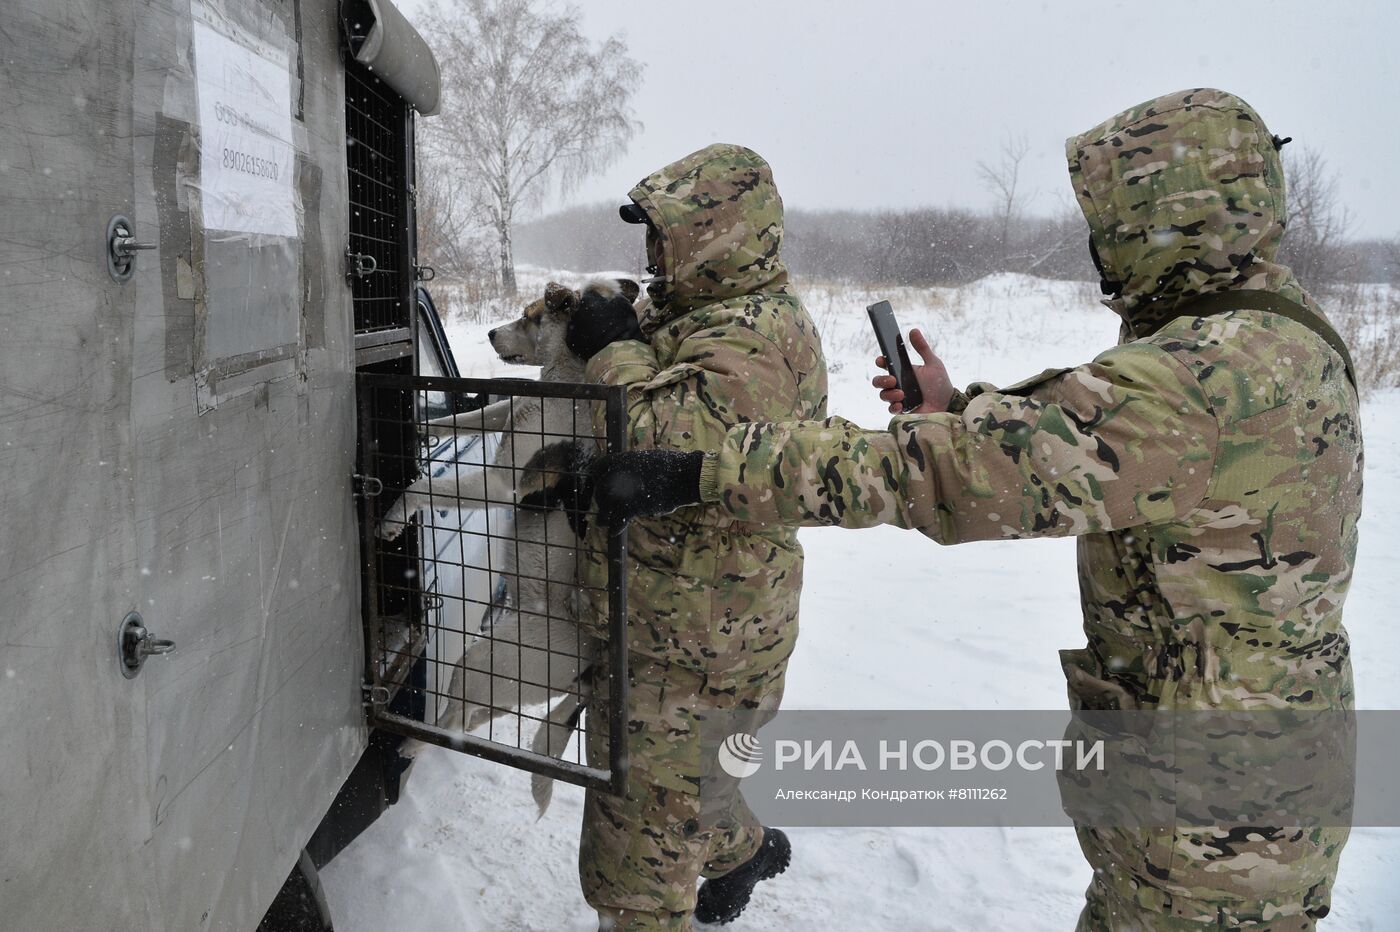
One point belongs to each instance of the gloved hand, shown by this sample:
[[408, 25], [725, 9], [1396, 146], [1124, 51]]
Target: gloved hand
[[645, 482], [601, 319]]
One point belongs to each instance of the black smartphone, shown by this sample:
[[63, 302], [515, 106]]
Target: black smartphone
[[896, 356]]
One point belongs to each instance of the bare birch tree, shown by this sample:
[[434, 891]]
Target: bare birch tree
[[1314, 241], [1003, 180], [528, 102], [449, 234]]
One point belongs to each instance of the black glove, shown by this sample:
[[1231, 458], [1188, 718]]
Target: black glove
[[645, 482], [600, 319]]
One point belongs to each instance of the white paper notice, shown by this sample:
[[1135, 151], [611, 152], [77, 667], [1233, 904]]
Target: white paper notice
[[245, 123]]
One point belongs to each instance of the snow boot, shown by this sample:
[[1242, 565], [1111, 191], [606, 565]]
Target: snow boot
[[722, 899]]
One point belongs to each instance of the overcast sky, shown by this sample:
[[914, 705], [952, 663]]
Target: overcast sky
[[876, 103]]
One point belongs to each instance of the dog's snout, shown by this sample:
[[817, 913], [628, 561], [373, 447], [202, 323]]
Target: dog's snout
[[491, 334]]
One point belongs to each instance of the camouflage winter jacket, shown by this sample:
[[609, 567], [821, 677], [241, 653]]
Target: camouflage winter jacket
[[729, 343], [1211, 469]]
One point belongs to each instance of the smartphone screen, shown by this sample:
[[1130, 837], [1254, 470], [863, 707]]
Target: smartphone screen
[[896, 356]]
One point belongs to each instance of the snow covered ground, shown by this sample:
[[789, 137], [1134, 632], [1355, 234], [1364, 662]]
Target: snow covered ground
[[463, 850]]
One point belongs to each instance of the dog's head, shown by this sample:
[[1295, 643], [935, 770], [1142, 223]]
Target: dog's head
[[537, 336]]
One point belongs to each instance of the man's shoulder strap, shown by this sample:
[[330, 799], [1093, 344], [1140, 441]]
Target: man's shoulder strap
[[1221, 301]]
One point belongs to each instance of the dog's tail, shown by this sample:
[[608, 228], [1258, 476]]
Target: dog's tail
[[553, 737]]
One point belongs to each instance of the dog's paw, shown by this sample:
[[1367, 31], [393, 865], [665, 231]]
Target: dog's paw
[[411, 748], [392, 525], [391, 530]]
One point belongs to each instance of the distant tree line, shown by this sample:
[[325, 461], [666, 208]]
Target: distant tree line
[[923, 246], [935, 246], [952, 246]]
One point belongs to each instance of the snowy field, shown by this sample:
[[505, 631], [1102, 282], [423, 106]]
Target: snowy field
[[463, 850]]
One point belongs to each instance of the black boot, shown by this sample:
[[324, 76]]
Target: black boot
[[722, 899]]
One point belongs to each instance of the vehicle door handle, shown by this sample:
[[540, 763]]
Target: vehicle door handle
[[135, 644], [122, 248]]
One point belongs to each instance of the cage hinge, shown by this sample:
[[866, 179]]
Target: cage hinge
[[366, 486], [359, 265], [374, 697]]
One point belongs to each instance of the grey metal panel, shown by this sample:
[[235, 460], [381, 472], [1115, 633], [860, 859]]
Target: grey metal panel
[[180, 799], [256, 314], [246, 531], [73, 803]]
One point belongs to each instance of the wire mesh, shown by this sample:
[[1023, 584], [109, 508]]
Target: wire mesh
[[520, 610], [376, 121]]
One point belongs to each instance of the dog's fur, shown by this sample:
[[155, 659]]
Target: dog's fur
[[533, 650]]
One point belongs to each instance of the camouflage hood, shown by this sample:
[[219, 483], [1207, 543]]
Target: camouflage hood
[[719, 221], [1184, 196]]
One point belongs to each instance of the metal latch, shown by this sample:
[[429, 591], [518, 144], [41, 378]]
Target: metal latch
[[122, 248], [366, 486], [135, 644], [359, 264], [374, 697]]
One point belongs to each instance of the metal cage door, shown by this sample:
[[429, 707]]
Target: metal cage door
[[510, 620]]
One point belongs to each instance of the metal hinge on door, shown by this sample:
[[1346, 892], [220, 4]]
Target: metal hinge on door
[[359, 265], [366, 486]]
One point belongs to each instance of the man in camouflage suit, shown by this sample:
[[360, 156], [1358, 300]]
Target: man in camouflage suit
[[1210, 465], [712, 600]]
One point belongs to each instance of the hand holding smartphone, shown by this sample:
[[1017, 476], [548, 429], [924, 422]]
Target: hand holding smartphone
[[896, 356]]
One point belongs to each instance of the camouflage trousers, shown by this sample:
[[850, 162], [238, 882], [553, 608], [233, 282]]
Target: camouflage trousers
[[1108, 908], [641, 854]]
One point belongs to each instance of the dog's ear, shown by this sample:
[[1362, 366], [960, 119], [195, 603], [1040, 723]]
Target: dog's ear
[[557, 297], [630, 289]]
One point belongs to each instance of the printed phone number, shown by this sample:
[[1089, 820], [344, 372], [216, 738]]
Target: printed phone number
[[251, 165]]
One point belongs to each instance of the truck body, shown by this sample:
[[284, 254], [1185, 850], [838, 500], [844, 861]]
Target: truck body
[[179, 342]]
